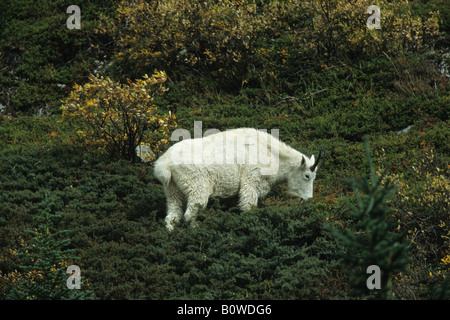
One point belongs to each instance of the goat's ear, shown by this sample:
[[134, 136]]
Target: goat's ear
[[312, 159], [303, 162]]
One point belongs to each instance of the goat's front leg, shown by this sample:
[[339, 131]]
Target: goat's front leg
[[248, 197], [193, 205]]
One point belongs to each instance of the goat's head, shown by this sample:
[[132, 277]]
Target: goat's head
[[301, 179]]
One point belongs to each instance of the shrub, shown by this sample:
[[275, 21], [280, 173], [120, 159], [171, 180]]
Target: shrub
[[45, 262], [373, 243], [41, 58], [118, 117], [224, 38], [339, 27], [217, 38], [422, 208], [266, 253]]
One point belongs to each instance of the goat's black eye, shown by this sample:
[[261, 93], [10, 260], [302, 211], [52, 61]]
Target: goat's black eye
[[307, 176]]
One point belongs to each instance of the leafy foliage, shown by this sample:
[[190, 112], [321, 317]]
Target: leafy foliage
[[40, 57], [120, 117], [339, 27], [373, 243], [211, 36], [45, 276], [422, 208], [228, 38], [311, 69]]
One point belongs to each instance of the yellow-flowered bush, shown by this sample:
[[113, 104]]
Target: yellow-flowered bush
[[118, 117]]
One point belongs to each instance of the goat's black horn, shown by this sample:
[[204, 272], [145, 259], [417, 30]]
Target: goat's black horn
[[320, 159]]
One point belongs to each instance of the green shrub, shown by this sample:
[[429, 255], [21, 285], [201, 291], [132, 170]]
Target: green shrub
[[318, 91], [422, 208], [267, 253], [338, 27], [41, 58], [46, 259], [373, 242], [217, 38]]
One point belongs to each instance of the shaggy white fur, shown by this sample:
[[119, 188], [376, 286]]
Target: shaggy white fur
[[242, 161]]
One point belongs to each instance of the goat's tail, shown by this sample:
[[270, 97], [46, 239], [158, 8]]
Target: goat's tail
[[162, 171]]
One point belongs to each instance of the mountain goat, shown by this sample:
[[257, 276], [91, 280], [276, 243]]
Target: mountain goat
[[245, 161]]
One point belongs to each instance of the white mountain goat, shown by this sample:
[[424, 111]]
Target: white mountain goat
[[243, 161]]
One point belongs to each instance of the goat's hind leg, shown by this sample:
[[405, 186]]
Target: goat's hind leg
[[175, 202]]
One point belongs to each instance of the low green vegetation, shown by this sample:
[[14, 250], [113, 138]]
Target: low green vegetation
[[64, 200]]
